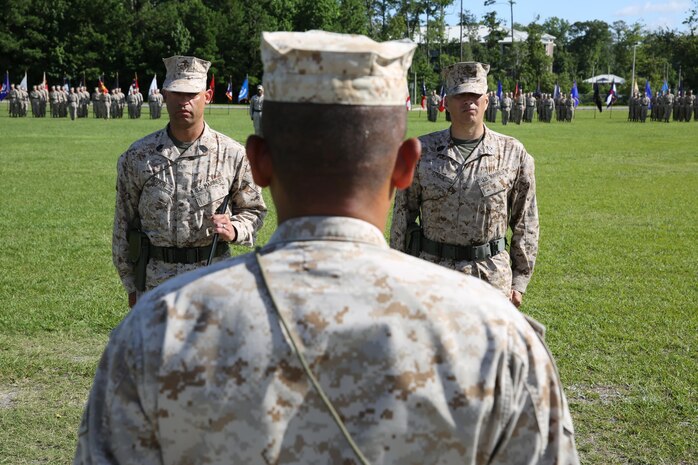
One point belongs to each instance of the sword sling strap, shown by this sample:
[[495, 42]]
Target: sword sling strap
[[296, 349]]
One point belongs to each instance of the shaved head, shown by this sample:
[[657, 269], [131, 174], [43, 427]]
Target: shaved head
[[332, 149]]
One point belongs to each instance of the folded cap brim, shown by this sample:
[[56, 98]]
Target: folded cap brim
[[468, 87], [185, 85]]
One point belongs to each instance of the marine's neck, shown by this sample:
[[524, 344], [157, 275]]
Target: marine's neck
[[187, 133], [467, 132]]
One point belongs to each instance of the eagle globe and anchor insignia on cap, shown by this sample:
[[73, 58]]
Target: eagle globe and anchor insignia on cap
[[466, 77], [185, 74]]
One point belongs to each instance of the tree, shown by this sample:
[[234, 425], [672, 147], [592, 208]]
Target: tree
[[591, 43]]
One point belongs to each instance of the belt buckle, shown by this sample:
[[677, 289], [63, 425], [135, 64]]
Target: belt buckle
[[482, 251]]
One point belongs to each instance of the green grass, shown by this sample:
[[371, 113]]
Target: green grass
[[616, 282]]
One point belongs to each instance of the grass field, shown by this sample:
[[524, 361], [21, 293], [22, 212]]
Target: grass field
[[616, 282]]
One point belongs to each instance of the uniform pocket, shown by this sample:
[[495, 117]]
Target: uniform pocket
[[210, 192], [439, 177], [493, 183]]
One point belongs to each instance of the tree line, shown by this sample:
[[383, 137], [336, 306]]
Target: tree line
[[72, 39]]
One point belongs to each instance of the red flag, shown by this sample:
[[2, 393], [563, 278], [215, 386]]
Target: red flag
[[442, 103], [212, 86], [408, 103], [424, 96], [229, 91], [516, 90], [134, 84], [102, 87]]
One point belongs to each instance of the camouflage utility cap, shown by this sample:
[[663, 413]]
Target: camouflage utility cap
[[185, 74], [465, 77], [329, 68]]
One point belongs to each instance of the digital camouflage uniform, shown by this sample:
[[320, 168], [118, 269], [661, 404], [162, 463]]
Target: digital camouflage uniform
[[473, 203], [424, 365], [181, 193]]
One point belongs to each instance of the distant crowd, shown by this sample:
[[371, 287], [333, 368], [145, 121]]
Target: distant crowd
[[663, 107], [76, 102], [525, 107]]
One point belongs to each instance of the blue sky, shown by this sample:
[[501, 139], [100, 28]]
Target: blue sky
[[653, 14]]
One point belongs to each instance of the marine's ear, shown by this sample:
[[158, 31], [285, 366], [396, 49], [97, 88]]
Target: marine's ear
[[260, 160], [407, 157]]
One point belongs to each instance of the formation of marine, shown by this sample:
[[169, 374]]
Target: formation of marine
[[664, 107], [525, 107], [61, 101]]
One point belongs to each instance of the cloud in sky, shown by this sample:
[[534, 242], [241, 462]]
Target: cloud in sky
[[641, 9]]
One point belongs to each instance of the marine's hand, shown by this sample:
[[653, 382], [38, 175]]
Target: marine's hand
[[225, 229], [132, 298], [516, 297]]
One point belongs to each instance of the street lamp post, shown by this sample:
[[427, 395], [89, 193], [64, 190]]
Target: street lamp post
[[461, 30]]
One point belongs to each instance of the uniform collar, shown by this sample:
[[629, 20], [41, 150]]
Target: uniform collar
[[200, 148], [328, 228], [488, 145]]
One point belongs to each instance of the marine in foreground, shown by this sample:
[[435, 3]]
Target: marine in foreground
[[423, 365]]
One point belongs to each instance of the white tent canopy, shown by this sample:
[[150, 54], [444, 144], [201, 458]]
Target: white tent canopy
[[605, 79]]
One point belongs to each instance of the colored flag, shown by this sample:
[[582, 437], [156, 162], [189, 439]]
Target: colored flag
[[442, 100], [556, 92], [424, 96], [23, 84], [212, 86], [408, 102], [499, 89], [244, 90], [102, 87], [665, 87], [44, 83], [611, 97], [153, 85], [229, 91], [66, 84], [575, 93], [517, 91], [134, 84], [648, 92], [597, 97], [5, 89], [636, 90]]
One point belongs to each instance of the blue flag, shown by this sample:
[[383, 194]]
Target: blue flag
[[556, 92], [648, 93], [575, 94], [665, 87], [5, 86], [244, 91], [499, 89]]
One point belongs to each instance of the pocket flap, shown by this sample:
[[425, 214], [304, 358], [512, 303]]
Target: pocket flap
[[210, 192]]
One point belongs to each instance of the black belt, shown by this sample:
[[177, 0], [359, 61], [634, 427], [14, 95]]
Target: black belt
[[463, 252], [256, 111], [186, 255]]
